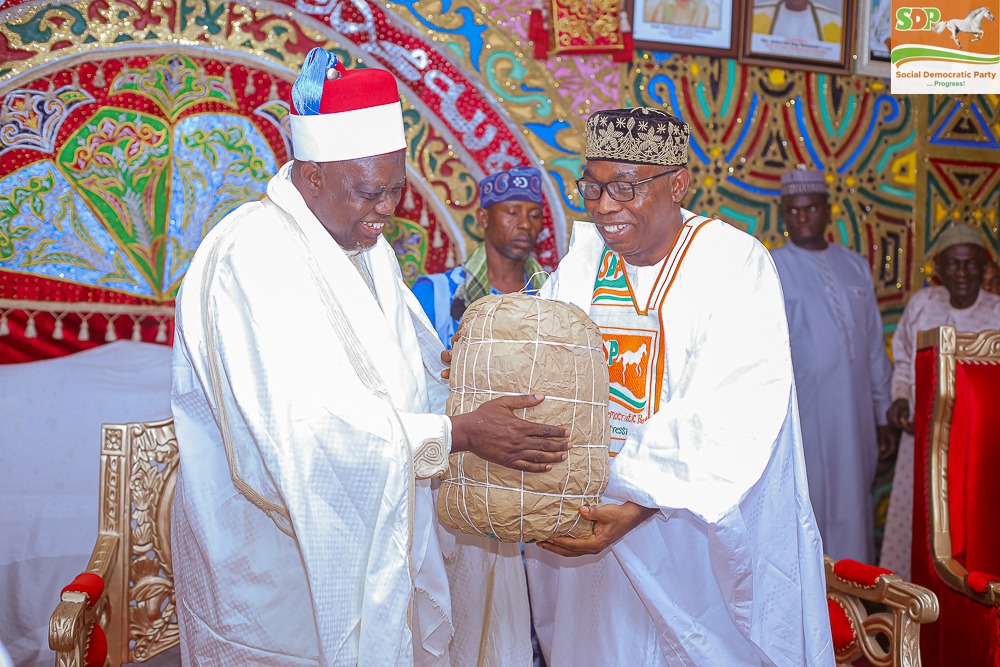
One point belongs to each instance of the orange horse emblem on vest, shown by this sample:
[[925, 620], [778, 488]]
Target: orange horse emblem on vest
[[628, 369]]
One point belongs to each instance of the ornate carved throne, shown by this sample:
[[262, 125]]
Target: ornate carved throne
[[121, 609], [956, 499]]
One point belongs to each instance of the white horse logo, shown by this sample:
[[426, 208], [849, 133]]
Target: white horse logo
[[633, 358], [969, 24]]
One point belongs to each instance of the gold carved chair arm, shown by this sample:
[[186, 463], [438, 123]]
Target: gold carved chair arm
[[984, 587], [979, 586], [76, 615], [908, 606]]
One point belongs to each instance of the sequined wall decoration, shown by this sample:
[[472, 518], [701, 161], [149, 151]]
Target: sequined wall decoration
[[749, 125], [887, 158], [960, 175], [117, 162]]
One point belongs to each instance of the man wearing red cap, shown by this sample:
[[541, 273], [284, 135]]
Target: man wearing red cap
[[307, 402]]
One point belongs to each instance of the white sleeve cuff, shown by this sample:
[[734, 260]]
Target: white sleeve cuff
[[430, 438]]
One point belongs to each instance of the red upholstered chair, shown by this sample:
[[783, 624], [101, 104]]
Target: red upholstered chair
[[122, 608], [956, 500], [857, 633]]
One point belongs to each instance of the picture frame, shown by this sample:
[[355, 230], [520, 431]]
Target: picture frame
[[873, 29], [819, 36], [699, 27]]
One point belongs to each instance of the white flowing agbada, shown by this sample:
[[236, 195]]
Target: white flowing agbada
[[842, 375], [304, 538], [729, 571]]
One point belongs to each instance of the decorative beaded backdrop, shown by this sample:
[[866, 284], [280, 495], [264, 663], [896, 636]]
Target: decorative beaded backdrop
[[899, 168], [129, 127]]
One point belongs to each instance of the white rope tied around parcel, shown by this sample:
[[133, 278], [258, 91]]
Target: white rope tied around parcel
[[511, 344]]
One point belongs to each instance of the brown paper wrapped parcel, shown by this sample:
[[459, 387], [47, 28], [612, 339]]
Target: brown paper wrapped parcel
[[513, 344]]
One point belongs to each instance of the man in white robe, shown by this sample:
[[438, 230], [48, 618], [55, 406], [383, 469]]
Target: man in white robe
[[307, 401], [959, 302], [842, 371], [706, 551]]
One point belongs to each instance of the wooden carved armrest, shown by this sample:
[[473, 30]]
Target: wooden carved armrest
[[979, 586], [71, 622], [67, 624], [909, 606]]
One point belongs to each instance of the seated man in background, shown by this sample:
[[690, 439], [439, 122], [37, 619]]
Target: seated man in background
[[510, 215], [706, 551], [960, 302], [842, 371]]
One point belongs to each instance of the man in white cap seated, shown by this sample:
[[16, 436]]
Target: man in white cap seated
[[307, 400], [842, 371], [959, 302], [705, 551]]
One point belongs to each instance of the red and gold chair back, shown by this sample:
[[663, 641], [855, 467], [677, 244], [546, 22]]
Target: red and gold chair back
[[122, 608], [956, 504]]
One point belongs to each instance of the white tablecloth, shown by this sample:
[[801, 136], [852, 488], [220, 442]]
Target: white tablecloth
[[50, 431]]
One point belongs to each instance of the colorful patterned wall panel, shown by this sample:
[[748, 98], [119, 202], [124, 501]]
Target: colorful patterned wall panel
[[882, 153], [960, 175], [129, 129], [752, 124]]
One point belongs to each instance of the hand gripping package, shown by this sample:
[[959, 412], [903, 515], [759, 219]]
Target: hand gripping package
[[512, 344]]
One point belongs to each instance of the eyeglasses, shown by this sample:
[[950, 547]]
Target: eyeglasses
[[620, 191]]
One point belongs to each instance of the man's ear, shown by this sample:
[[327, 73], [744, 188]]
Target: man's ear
[[481, 217], [312, 177], [680, 184]]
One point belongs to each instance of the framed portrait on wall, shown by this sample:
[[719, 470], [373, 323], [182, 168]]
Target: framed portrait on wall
[[705, 27], [874, 28], [799, 34]]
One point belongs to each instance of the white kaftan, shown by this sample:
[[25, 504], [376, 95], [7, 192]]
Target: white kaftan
[[929, 308], [729, 571], [842, 375], [303, 538]]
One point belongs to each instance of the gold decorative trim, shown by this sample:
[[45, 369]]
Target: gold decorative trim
[[953, 348], [908, 606]]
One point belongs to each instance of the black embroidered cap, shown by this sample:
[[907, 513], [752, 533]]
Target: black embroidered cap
[[639, 135]]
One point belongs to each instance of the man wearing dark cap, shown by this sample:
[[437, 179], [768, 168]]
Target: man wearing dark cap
[[842, 371], [510, 215], [308, 405], [959, 301], [705, 551]]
